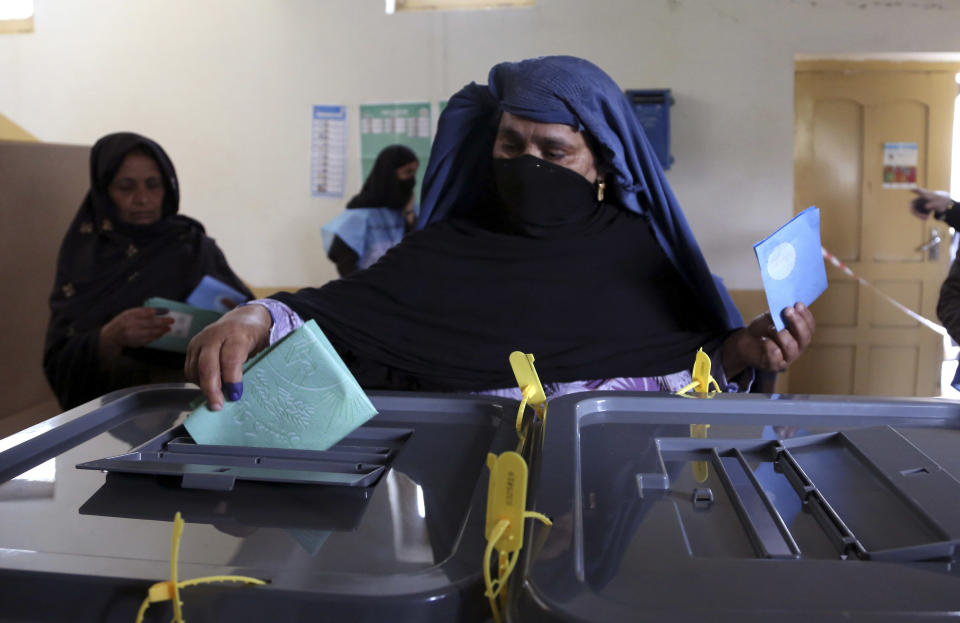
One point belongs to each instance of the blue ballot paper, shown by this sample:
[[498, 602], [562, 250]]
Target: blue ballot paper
[[791, 264], [187, 322], [297, 394], [211, 292]]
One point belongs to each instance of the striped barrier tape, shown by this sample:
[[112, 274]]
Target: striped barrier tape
[[936, 328]]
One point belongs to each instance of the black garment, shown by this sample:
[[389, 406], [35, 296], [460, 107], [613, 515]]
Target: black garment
[[343, 256], [105, 267], [444, 308], [950, 216], [948, 304]]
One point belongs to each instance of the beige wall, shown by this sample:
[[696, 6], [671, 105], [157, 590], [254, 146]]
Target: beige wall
[[226, 86]]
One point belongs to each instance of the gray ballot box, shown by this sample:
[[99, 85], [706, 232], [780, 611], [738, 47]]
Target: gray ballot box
[[791, 508], [385, 526], [779, 507]]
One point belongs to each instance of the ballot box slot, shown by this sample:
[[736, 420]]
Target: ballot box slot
[[833, 526], [869, 492], [767, 532], [876, 495], [359, 460]]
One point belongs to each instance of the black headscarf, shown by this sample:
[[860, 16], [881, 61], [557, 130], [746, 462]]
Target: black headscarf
[[106, 266], [443, 309], [382, 189]]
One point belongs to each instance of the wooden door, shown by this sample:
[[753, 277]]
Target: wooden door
[[845, 113]]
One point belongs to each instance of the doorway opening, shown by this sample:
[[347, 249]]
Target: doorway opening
[[866, 130], [951, 351]]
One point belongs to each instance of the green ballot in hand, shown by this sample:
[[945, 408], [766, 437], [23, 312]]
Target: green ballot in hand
[[297, 393], [187, 322]]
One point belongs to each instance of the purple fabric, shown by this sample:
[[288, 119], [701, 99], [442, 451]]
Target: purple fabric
[[285, 320], [671, 383], [555, 390]]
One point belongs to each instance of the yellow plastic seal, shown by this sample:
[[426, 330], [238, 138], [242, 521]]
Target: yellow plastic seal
[[170, 589], [531, 392], [702, 380], [701, 376], [506, 510], [506, 499], [701, 469], [526, 374]]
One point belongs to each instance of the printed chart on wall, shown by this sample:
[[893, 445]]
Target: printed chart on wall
[[328, 151], [899, 165], [382, 125]]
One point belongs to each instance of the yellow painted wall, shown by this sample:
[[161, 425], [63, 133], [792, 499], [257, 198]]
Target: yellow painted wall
[[10, 131]]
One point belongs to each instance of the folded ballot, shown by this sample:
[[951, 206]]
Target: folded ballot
[[791, 264], [187, 322], [297, 393], [211, 293]]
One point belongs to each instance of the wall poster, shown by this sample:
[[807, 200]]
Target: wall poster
[[382, 125], [899, 165], [328, 151]]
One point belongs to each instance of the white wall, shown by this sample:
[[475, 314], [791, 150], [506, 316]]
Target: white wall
[[227, 86]]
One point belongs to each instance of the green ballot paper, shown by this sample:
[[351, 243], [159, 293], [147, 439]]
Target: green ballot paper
[[297, 393], [187, 322]]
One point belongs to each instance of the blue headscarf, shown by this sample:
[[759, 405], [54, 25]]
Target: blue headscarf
[[575, 92]]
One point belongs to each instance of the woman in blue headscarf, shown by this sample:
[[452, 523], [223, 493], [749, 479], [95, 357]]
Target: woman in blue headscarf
[[547, 226]]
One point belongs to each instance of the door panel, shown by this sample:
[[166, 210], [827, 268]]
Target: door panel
[[844, 114], [837, 307], [892, 370], [824, 369], [837, 146], [892, 219], [908, 293]]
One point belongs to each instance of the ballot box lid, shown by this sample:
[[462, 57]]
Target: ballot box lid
[[741, 508], [387, 525]]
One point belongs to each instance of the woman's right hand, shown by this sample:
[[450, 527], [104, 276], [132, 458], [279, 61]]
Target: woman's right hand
[[132, 328], [216, 355], [929, 201]]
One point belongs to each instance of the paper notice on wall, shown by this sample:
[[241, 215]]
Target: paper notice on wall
[[382, 125], [328, 151], [899, 165]]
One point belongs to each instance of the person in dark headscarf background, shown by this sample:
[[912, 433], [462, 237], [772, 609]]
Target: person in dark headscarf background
[[378, 217], [548, 226], [126, 244]]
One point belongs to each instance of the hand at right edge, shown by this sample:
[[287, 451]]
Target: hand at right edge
[[215, 356], [929, 201]]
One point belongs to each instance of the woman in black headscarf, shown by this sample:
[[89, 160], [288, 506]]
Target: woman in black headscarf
[[378, 217], [126, 244], [549, 228]]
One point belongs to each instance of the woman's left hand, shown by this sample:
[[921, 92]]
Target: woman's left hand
[[761, 346]]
